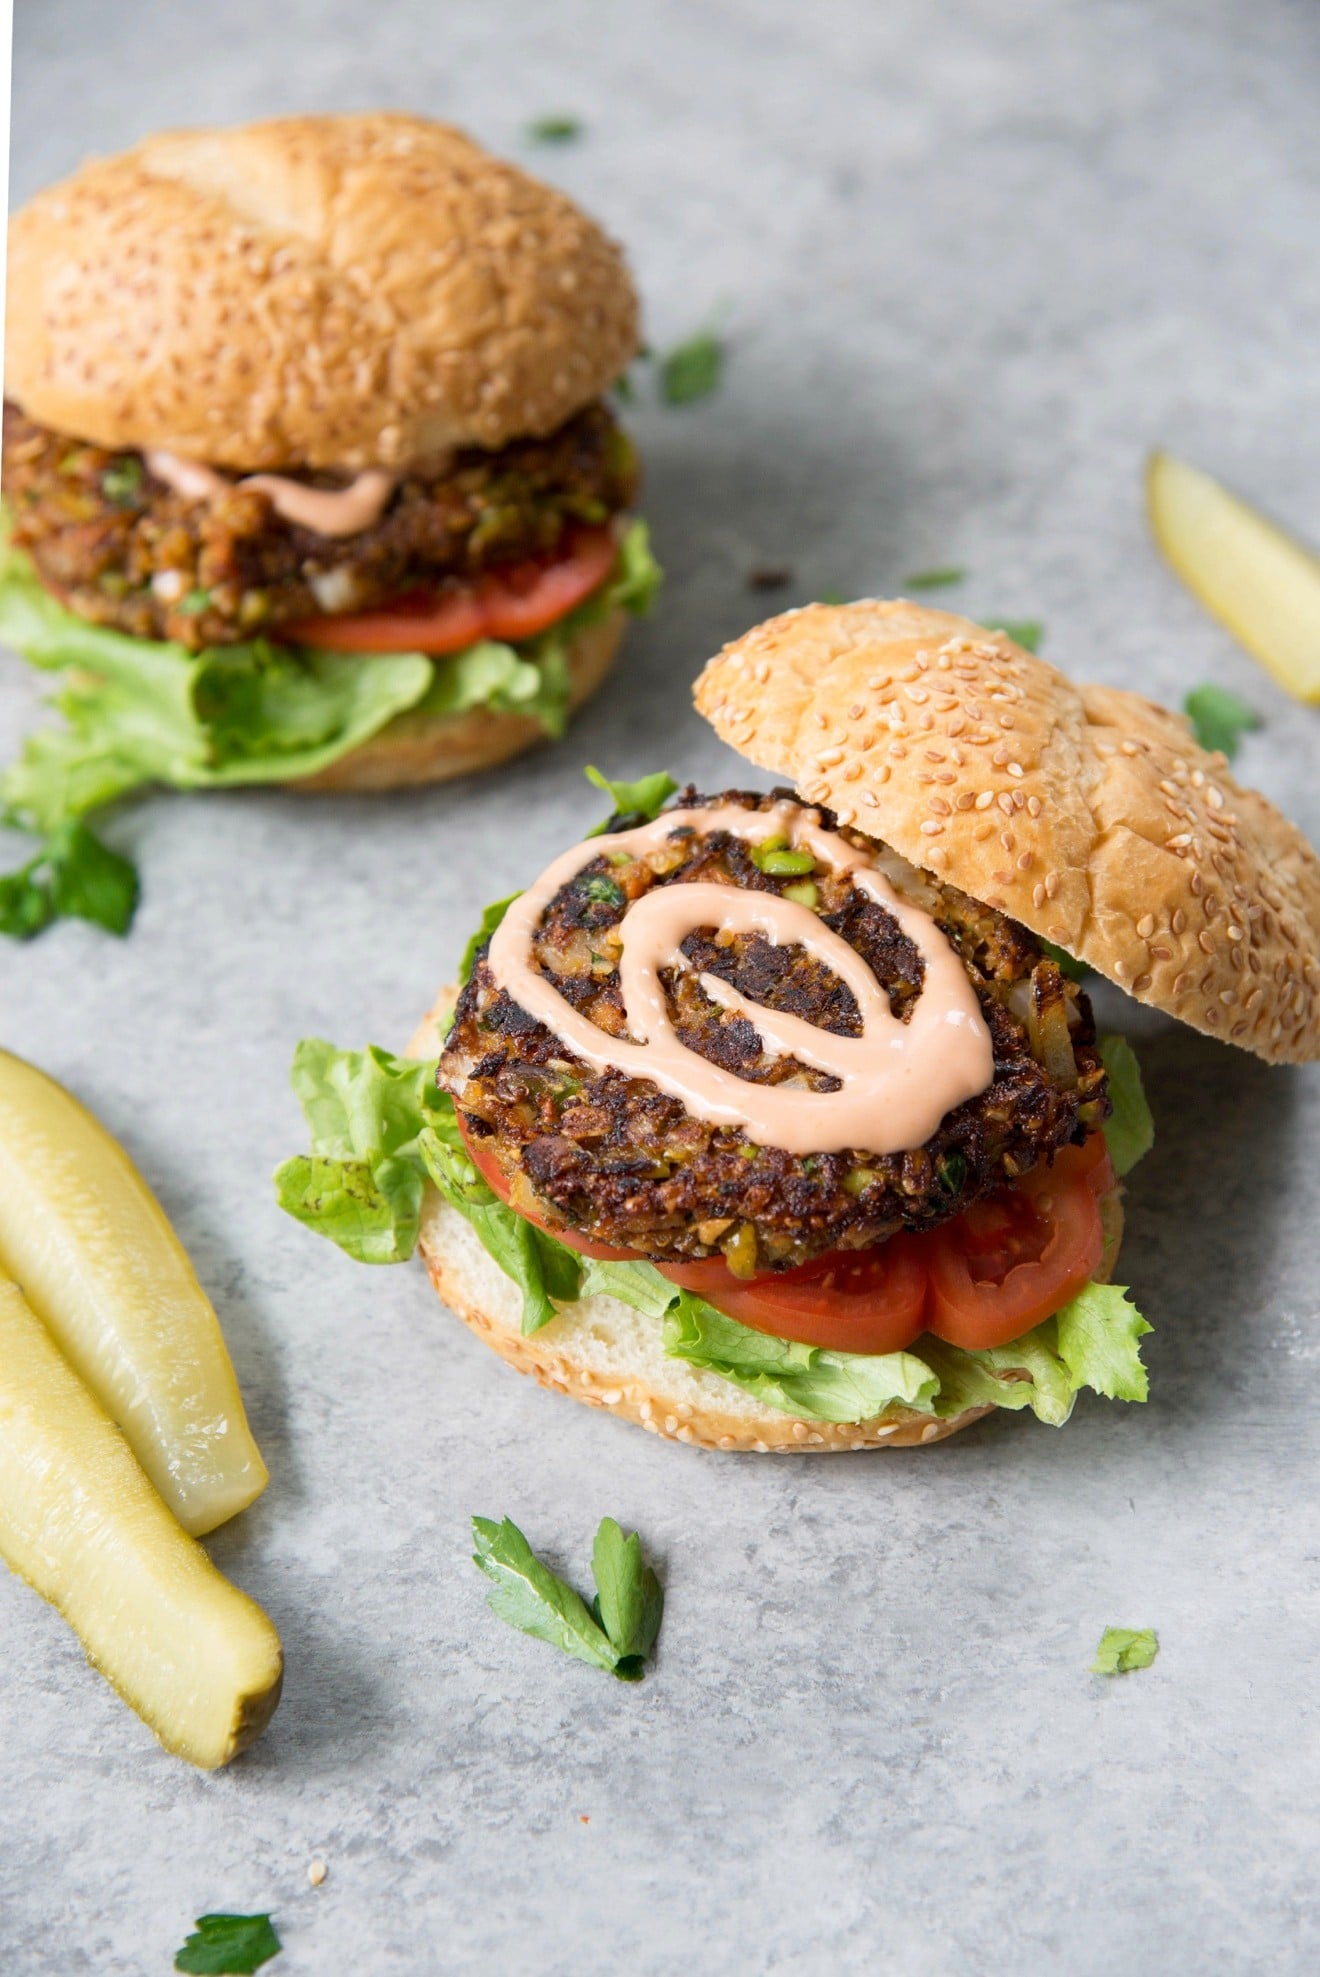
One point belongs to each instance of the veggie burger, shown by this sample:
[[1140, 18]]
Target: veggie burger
[[309, 470], [780, 1121]]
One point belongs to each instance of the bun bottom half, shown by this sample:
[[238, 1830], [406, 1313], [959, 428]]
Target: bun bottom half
[[424, 748], [605, 1354]]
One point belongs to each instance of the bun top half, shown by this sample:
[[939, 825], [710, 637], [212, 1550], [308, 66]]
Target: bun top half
[[1086, 813], [333, 291]]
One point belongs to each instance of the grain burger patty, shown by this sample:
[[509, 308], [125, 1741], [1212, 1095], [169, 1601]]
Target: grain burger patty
[[123, 548], [320, 385], [778, 1121]]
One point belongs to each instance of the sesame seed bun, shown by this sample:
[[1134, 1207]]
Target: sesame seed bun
[[335, 291], [602, 1352], [1087, 813], [435, 748]]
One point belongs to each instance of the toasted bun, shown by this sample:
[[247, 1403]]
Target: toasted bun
[[337, 291], [434, 748], [604, 1353], [1087, 813]]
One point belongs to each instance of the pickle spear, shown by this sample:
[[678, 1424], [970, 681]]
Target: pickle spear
[[1246, 572], [83, 1234], [196, 1658]]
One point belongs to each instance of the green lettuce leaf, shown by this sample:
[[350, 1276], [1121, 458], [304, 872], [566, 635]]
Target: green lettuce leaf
[[1122, 1649], [1097, 1341], [543, 1269], [495, 675], [362, 1184], [799, 1379], [1129, 1129]]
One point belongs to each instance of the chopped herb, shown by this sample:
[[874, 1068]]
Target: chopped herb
[[1122, 1649], [805, 894], [624, 389], [195, 603], [831, 597], [693, 369], [600, 890], [857, 1180], [75, 877], [1219, 718], [1027, 632], [121, 483], [634, 803], [616, 1636], [951, 1171], [935, 579], [770, 576], [554, 129], [225, 1943], [1067, 964]]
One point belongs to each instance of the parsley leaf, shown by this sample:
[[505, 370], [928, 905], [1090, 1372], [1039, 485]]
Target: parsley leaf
[[1026, 632], [74, 876], [829, 596], [629, 1601], [224, 1943], [543, 1269], [693, 369], [935, 579], [1122, 1649], [634, 803], [1219, 719], [527, 1595], [553, 129]]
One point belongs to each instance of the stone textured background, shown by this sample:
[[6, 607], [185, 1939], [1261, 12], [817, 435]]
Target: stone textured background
[[973, 261]]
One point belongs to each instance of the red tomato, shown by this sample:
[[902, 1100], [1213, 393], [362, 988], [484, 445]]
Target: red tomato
[[1009, 1261], [514, 603], [491, 1173], [854, 1300]]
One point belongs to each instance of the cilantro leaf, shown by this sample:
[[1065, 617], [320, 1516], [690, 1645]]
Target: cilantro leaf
[[1129, 1129], [527, 1595], [1026, 632], [939, 579], [629, 1600], [553, 129], [543, 1269], [362, 1185], [224, 1943], [693, 369], [1122, 1649], [634, 803], [1219, 719], [73, 876]]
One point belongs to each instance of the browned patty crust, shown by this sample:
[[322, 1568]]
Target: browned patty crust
[[619, 1161], [121, 548]]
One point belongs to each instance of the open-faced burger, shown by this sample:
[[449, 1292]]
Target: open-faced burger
[[780, 1120]]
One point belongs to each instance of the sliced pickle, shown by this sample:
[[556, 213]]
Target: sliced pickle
[[196, 1658], [83, 1234], [1246, 571]]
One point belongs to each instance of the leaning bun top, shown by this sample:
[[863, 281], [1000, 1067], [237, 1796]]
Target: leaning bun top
[[339, 291], [1086, 813]]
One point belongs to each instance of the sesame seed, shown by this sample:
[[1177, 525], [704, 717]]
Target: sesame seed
[[928, 1434], [1142, 983], [931, 828], [985, 799], [1038, 896]]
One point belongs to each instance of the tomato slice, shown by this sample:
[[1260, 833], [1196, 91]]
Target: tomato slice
[[853, 1300], [492, 1174], [1011, 1260], [513, 603]]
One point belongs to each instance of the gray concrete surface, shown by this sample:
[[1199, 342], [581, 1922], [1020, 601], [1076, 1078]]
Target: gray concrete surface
[[974, 260]]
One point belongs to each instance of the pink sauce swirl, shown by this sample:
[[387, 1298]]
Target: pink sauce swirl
[[340, 511], [897, 1079]]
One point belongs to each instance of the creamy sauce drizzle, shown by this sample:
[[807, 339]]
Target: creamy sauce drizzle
[[327, 511], [897, 1079]]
